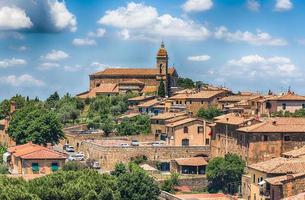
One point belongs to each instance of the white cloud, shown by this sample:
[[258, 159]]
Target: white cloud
[[11, 62], [13, 18], [55, 55], [61, 16], [124, 34], [258, 38], [20, 81], [283, 5], [138, 21], [98, 33], [197, 5], [301, 41], [133, 16], [253, 5], [48, 66], [74, 68], [11, 35], [255, 66], [83, 42], [199, 58]]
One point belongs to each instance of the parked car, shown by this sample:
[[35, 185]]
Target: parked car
[[76, 157], [158, 143], [70, 149], [96, 165], [124, 145], [135, 143]]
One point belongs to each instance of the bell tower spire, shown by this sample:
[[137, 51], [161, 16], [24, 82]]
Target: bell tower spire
[[162, 60]]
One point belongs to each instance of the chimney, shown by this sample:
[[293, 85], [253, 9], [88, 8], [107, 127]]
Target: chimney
[[12, 107]]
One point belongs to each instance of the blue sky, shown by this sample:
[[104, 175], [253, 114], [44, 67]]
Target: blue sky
[[52, 45]]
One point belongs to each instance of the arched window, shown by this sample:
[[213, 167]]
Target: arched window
[[160, 68], [98, 85]]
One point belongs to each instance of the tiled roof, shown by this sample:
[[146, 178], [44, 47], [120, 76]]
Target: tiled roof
[[140, 98], [237, 98], [277, 125], [192, 161], [33, 151], [300, 196], [149, 103], [233, 120], [183, 121], [205, 94], [288, 97], [174, 119], [280, 165], [295, 153], [149, 89], [168, 115], [133, 71], [180, 96], [107, 88], [278, 180]]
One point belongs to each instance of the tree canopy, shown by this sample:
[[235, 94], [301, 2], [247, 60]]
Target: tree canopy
[[134, 126], [209, 113], [81, 185], [36, 124], [225, 173]]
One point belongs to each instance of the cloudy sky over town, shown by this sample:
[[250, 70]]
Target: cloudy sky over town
[[52, 45]]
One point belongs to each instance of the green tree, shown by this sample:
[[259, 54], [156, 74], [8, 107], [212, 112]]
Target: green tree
[[137, 185], [73, 166], [186, 83], [107, 125], [209, 113], [35, 124], [169, 184], [225, 173], [119, 169], [4, 108], [161, 89]]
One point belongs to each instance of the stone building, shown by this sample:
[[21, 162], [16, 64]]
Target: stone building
[[274, 179], [138, 80], [257, 141], [34, 159]]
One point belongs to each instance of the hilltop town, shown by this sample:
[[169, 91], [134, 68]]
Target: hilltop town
[[188, 137]]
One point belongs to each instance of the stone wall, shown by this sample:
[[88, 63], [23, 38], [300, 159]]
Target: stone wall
[[108, 156]]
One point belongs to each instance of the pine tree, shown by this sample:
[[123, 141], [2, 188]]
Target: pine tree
[[161, 89]]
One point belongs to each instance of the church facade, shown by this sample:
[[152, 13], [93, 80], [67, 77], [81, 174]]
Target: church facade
[[138, 80]]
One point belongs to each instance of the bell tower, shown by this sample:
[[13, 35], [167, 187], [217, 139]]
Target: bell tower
[[162, 60]]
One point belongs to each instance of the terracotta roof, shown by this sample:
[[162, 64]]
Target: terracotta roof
[[133, 82], [288, 97], [280, 165], [277, 125], [34, 151], [149, 89], [168, 115], [149, 103], [192, 161], [295, 153], [181, 96], [237, 98], [183, 121], [140, 98], [174, 119], [107, 88], [278, 180], [205, 94], [133, 71], [184, 91], [233, 120]]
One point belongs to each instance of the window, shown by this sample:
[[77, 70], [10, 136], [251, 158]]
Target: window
[[207, 141], [200, 129], [284, 106], [268, 105], [253, 178], [286, 138], [190, 102], [185, 129], [185, 142], [177, 102], [54, 166], [265, 138], [35, 167], [303, 106], [202, 102], [157, 121]]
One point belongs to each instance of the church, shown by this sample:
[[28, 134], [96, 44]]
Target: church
[[145, 81]]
